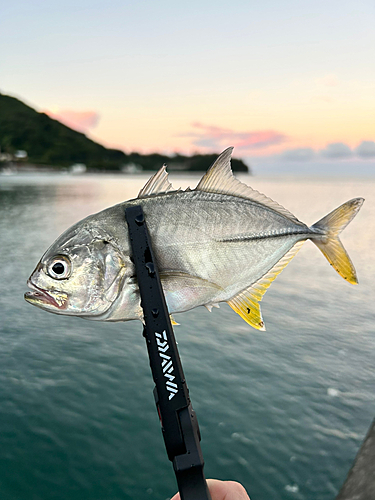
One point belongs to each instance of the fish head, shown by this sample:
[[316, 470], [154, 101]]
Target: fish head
[[81, 274]]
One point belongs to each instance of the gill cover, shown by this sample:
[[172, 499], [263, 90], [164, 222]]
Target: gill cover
[[80, 274]]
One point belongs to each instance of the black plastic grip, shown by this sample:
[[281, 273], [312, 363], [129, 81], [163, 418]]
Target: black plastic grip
[[178, 420]]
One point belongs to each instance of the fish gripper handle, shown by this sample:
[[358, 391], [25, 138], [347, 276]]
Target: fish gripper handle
[[178, 420]]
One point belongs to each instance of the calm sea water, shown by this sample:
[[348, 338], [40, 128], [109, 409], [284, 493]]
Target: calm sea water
[[283, 412]]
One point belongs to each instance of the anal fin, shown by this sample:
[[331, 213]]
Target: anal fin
[[246, 302]]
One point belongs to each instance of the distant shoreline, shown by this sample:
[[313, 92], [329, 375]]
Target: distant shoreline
[[35, 169]]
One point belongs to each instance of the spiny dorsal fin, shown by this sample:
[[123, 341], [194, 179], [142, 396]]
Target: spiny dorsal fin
[[158, 183], [220, 179], [246, 303]]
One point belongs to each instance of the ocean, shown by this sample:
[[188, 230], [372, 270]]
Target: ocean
[[283, 411]]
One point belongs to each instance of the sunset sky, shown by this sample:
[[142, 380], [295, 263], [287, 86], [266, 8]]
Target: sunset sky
[[287, 83]]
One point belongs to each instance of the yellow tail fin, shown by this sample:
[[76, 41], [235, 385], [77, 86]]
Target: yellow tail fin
[[330, 245]]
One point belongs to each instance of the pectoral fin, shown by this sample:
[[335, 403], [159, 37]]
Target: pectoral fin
[[183, 291], [246, 303]]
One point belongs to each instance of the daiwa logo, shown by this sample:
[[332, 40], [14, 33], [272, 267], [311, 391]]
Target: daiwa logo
[[161, 340]]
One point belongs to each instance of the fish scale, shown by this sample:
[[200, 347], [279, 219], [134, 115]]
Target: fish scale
[[223, 253]]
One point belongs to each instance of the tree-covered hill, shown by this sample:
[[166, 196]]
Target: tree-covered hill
[[49, 142]]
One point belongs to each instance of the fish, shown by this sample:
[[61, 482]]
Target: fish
[[220, 242]]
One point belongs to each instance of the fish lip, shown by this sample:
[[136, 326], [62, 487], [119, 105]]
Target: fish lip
[[42, 297]]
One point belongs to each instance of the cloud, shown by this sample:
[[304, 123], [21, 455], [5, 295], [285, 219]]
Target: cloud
[[330, 80], [298, 154], [82, 121], [337, 150], [216, 138], [333, 151], [366, 149]]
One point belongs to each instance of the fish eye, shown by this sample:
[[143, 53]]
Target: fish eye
[[59, 268]]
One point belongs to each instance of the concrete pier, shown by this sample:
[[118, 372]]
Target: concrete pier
[[360, 483]]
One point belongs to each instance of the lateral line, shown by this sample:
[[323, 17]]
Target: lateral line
[[263, 236]]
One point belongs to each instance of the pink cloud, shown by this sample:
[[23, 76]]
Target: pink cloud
[[81, 121], [214, 138]]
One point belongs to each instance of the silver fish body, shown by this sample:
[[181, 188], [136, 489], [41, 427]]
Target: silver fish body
[[222, 242], [217, 238]]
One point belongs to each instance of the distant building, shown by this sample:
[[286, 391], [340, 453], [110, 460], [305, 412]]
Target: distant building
[[17, 156], [131, 168], [78, 168], [20, 155], [5, 157]]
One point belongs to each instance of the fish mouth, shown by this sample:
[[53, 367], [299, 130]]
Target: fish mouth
[[43, 298]]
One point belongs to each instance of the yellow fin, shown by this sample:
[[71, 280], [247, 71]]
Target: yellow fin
[[331, 246], [173, 321], [336, 255], [246, 303]]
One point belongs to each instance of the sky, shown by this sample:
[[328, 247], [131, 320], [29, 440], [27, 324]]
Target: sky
[[289, 84]]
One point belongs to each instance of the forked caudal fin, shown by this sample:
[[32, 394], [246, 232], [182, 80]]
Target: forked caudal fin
[[330, 245]]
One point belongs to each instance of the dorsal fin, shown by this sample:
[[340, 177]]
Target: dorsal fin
[[158, 183], [246, 303], [220, 179]]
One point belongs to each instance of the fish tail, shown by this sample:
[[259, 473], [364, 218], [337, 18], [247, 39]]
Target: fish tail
[[330, 245]]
